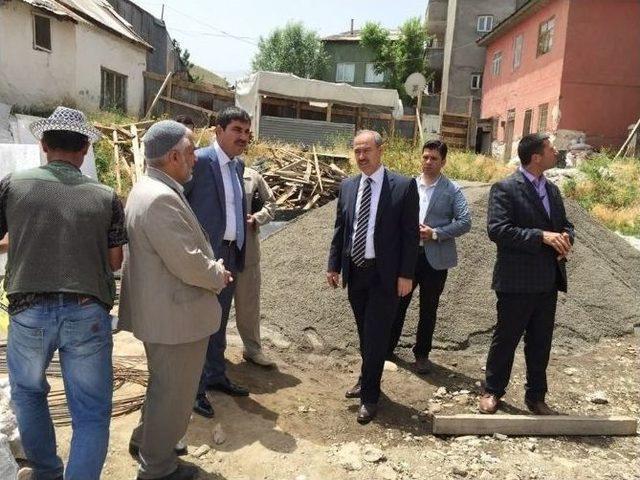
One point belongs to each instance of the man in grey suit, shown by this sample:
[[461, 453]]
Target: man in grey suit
[[170, 280], [444, 215]]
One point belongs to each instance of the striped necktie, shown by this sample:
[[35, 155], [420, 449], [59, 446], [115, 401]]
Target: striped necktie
[[360, 241]]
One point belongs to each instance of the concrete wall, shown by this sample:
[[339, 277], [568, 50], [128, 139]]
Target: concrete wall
[[536, 81], [600, 92], [71, 73], [34, 77], [466, 56], [97, 49], [349, 52]]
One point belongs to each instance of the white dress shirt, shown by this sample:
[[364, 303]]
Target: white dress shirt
[[425, 192], [228, 175], [376, 187]]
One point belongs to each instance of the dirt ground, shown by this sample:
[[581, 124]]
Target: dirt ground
[[297, 425]]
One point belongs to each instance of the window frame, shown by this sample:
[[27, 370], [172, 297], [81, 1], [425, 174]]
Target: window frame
[[34, 22], [366, 72], [543, 107], [478, 77], [526, 126], [486, 28], [353, 75], [545, 44], [518, 48], [104, 74], [496, 64]]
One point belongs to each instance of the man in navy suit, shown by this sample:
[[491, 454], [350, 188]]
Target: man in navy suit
[[444, 215], [216, 195], [527, 221], [374, 245]]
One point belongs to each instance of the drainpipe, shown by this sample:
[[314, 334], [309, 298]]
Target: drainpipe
[[352, 26]]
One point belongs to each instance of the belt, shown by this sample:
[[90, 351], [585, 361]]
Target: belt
[[367, 263], [62, 298], [229, 243]]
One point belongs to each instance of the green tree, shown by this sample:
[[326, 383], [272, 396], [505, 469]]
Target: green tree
[[292, 49], [397, 59], [185, 61]]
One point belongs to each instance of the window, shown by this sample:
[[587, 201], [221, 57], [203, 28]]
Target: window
[[497, 63], [526, 127], [370, 75], [545, 36], [41, 33], [543, 111], [517, 51], [345, 72], [476, 81], [485, 23], [113, 91]]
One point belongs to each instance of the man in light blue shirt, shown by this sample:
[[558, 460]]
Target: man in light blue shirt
[[444, 215]]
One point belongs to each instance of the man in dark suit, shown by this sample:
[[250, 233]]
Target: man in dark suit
[[216, 195], [375, 243], [444, 215], [528, 223]]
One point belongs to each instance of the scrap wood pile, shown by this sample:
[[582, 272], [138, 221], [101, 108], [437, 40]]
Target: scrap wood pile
[[128, 149], [300, 181]]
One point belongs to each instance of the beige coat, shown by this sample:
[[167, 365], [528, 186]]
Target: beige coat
[[253, 182], [170, 278]]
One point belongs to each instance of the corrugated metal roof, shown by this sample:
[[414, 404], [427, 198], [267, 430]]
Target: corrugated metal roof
[[97, 12], [308, 132]]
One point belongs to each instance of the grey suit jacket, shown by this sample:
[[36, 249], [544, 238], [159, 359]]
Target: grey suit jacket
[[170, 278], [448, 214]]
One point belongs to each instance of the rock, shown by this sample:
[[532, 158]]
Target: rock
[[485, 475], [532, 447], [349, 457], [440, 392], [570, 371], [25, 473], [461, 399], [500, 436], [385, 472], [219, 437], [434, 408], [459, 471], [598, 397], [201, 451], [390, 366], [305, 409], [373, 454], [8, 466]]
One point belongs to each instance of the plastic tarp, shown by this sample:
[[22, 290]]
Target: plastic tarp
[[248, 91]]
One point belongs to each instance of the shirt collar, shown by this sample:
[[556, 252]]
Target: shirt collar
[[164, 178], [223, 158], [421, 183], [62, 164], [376, 176], [531, 177]]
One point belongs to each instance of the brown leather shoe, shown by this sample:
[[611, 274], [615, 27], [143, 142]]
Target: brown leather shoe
[[353, 392], [367, 413], [539, 407], [488, 403]]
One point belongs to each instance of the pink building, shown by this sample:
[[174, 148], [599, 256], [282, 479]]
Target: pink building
[[567, 67]]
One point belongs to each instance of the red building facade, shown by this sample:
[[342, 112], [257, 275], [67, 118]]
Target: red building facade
[[563, 66]]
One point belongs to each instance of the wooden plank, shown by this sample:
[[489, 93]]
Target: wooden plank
[[478, 424], [116, 162], [318, 172], [155, 100], [138, 159], [196, 87], [188, 105], [286, 195], [447, 129]]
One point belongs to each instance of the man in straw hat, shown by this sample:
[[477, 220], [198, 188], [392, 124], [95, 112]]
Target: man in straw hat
[[170, 282], [66, 233]]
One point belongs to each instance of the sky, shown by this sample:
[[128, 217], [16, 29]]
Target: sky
[[222, 36]]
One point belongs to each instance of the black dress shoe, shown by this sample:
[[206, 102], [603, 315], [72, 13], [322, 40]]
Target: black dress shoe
[[134, 451], [367, 413], [353, 392], [183, 472], [203, 407], [229, 388]]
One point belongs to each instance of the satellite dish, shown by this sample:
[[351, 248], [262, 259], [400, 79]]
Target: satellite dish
[[414, 84]]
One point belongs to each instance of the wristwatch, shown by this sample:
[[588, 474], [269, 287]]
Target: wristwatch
[[434, 235]]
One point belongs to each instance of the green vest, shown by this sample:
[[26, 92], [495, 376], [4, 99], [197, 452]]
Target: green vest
[[58, 222]]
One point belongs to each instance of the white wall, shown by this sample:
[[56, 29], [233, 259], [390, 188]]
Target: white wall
[[29, 76], [98, 48], [71, 73]]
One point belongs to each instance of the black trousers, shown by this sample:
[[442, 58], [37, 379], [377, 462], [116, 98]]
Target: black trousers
[[374, 309], [431, 284], [534, 316]]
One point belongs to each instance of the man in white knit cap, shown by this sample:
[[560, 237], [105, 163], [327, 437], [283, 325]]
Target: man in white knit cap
[[170, 281]]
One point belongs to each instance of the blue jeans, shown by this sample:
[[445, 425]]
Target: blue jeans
[[80, 330]]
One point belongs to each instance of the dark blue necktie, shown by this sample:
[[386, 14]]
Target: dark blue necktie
[[238, 198]]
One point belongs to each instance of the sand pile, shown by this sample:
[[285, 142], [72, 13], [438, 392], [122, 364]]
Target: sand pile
[[603, 298]]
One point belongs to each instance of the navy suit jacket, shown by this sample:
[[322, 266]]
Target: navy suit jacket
[[205, 193], [516, 219], [396, 235]]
